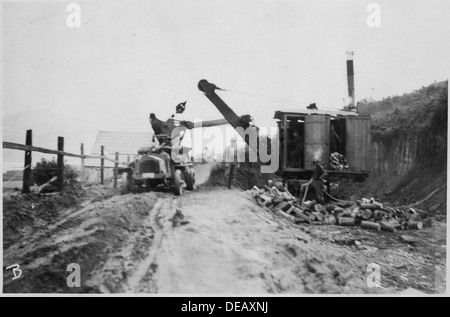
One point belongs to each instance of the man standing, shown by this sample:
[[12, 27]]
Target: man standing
[[295, 147], [316, 182], [231, 162]]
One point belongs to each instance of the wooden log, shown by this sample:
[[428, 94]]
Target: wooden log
[[318, 208], [48, 187], [370, 225], [312, 216], [295, 211], [378, 215], [415, 225], [394, 223], [338, 211], [372, 206], [318, 216], [279, 186], [415, 217], [346, 221], [330, 207], [263, 200], [305, 217], [423, 214], [386, 226], [388, 209], [285, 215], [265, 197], [277, 200], [291, 210], [330, 219], [284, 206], [355, 212], [299, 220], [406, 216], [347, 213], [345, 204], [366, 214]]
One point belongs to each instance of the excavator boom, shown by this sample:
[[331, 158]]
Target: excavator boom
[[244, 122]]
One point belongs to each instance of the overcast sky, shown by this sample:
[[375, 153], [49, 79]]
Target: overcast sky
[[130, 58]]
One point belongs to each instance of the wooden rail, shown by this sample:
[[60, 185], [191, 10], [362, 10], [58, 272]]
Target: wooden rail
[[29, 148], [17, 146]]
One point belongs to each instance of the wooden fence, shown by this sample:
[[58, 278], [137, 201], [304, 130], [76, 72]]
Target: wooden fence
[[29, 148]]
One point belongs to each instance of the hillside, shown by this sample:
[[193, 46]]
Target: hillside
[[409, 145]]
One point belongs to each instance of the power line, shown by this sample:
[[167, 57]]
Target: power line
[[263, 96]]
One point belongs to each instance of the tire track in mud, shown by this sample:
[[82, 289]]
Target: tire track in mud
[[142, 279], [86, 236], [131, 268]]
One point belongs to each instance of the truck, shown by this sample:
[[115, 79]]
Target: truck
[[168, 165]]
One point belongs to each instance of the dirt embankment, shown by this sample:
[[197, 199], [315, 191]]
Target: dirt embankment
[[247, 175], [79, 226], [211, 241], [409, 147]]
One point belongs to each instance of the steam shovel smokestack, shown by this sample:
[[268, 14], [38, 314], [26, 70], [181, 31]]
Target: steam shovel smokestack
[[350, 82]]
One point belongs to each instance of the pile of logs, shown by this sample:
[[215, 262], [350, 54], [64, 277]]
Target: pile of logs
[[366, 213], [337, 162]]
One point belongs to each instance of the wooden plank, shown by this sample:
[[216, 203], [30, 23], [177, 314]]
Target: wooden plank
[[21, 147], [26, 181], [101, 157], [95, 166], [60, 162]]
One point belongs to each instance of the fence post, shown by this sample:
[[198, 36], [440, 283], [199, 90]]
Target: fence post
[[82, 162], [60, 161], [102, 164], [116, 169], [27, 165]]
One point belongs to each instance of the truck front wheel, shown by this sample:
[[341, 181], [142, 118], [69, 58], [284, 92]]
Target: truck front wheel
[[178, 190], [189, 176], [125, 185]]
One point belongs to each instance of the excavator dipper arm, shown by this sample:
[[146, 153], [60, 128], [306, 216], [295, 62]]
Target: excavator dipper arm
[[236, 122]]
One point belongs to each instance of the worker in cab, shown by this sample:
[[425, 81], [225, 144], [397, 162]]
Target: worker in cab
[[316, 183], [295, 149]]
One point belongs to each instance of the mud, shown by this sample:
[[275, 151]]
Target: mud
[[223, 243]]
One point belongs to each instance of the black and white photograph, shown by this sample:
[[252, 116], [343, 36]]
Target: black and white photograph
[[224, 148]]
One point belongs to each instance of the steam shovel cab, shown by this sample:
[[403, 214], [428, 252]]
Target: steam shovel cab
[[308, 134]]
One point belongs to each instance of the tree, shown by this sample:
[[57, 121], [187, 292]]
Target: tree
[[45, 170]]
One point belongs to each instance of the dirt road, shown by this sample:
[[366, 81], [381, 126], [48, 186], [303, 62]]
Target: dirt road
[[220, 242]]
